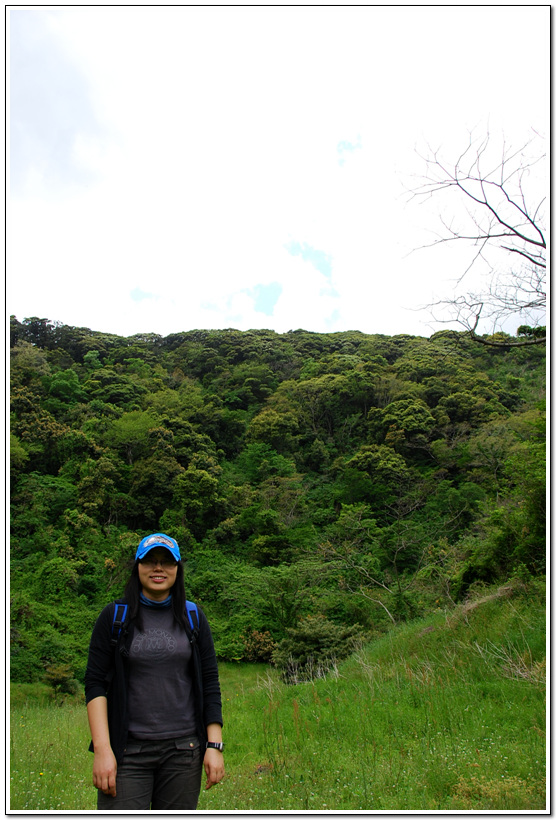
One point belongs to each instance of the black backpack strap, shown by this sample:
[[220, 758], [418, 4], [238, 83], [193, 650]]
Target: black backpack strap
[[120, 612]]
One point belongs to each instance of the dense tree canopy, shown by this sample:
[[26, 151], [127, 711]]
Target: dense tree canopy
[[357, 479]]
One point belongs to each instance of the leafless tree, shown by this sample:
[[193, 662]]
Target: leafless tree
[[501, 214]]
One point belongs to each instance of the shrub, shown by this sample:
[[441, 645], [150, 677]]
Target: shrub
[[259, 646], [312, 648], [60, 677]]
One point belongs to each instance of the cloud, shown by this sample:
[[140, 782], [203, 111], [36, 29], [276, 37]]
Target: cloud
[[50, 108], [345, 147], [266, 296], [173, 170], [139, 295], [321, 260]]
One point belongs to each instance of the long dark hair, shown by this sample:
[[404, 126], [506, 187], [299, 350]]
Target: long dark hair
[[133, 588]]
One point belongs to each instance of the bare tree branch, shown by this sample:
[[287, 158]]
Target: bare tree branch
[[503, 218]]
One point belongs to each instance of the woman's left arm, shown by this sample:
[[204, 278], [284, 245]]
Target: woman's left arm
[[212, 697], [214, 760], [212, 704]]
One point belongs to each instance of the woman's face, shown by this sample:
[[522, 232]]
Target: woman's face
[[157, 573]]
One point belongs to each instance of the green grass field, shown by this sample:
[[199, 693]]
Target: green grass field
[[444, 714]]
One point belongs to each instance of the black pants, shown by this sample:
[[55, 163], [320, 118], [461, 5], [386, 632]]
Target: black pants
[[157, 774]]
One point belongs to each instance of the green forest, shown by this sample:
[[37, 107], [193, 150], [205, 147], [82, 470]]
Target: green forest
[[322, 486]]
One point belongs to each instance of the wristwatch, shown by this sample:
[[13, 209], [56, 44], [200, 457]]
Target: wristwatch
[[219, 746]]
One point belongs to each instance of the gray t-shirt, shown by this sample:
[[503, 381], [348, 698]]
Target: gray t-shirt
[[160, 682]]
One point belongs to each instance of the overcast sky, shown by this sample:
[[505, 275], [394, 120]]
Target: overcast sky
[[185, 167]]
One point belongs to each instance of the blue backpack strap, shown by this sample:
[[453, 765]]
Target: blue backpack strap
[[193, 615], [120, 611]]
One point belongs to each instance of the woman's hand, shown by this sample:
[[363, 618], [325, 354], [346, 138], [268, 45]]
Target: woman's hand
[[104, 772], [214, 767], [104, 765]]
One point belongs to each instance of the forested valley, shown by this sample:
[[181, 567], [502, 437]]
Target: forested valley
[[322, 487]]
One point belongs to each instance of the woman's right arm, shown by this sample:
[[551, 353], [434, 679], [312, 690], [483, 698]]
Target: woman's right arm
[[99, 669], [104, 765]]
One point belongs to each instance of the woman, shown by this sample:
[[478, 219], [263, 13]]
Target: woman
[[152, 692]]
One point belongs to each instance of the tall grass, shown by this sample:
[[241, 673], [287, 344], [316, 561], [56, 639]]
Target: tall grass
[[49, 768], [444, 714]]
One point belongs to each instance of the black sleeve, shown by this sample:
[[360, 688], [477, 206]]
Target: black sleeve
[[100, 662], [212, 698]]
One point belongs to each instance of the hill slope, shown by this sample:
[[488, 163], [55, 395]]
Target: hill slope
[[360, 478]]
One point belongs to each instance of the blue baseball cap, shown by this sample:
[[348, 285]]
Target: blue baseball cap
[[158, 539]]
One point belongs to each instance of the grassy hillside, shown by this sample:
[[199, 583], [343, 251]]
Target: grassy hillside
[[443, 713]]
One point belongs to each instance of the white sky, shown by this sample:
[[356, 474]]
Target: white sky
[[185, 167]]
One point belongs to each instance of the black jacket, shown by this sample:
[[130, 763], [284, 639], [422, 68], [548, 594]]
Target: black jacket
[[107, 675]]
